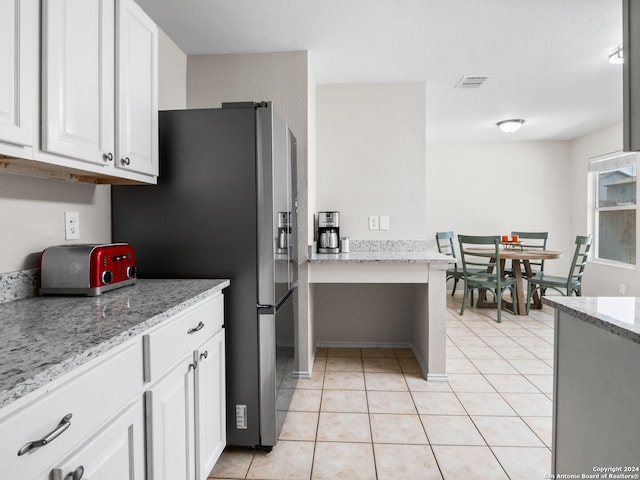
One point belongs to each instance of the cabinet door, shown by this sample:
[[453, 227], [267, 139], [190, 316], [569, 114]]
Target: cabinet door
[[18, 59], [78, 79], [210, 404], [116, 452], [137, 90], [170, 424]]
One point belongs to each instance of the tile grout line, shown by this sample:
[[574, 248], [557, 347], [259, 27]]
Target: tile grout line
[[460, 347]]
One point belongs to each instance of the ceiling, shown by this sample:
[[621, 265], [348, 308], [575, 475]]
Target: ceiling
[[547, 60]]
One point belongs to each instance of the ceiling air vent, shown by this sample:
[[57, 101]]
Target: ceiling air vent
[[472, 81]]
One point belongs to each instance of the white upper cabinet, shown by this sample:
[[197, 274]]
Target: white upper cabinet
[[99, 88], [78, 74], [137, 90], [18, 63]]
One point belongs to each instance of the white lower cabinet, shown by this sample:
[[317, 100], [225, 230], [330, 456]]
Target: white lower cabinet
[[186, 428], [170, 424], [68, 412], [152, 408], [210, 404], [116, 452]]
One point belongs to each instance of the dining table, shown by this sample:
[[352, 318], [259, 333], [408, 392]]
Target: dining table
[[520, 258]]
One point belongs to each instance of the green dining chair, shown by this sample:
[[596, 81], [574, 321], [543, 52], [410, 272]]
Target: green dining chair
[[568, 285], [444, 240], [483, 269], [533, 241]]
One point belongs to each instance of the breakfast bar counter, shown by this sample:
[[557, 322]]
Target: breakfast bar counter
[[422, 270], [596, 395]]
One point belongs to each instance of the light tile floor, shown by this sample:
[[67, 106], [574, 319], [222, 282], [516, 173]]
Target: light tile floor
[[369, 414]]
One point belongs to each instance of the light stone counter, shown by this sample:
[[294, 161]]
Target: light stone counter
[[419, 257], [596, 394], [42, 338], [618, 315]]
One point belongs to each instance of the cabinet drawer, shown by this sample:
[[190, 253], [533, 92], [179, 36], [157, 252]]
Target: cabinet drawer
[[165, 346], [91, 395]]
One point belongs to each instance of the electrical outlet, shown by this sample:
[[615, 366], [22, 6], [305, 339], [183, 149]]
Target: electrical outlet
[[71, 226], [384, 222], [622, 288], [374, 222], [241, 417]]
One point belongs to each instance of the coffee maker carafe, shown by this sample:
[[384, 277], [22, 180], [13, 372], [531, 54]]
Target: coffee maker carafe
[[329, 232]]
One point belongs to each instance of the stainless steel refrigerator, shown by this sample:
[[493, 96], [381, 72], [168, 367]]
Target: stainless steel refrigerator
[[224, 207]]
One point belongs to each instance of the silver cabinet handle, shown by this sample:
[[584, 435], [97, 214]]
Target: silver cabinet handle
[[59, 430], [205, 354], [107, 157], [76, 474], [193, 365], [125, 161], [196, 329]]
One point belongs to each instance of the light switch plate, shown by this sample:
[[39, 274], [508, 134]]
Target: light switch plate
[[384, 222], [374, 222]]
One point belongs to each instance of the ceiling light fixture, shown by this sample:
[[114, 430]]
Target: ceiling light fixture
[[617, 56], [511, 125]]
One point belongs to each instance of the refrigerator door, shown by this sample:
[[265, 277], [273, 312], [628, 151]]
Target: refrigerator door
[[273, 323], [274, 192], [293, 206]]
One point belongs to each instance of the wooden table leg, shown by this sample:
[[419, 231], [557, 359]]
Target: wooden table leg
[[520, 297], [536, 298]]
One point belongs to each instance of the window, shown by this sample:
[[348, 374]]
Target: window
[[614, 207]]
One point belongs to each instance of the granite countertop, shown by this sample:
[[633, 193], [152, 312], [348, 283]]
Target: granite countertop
[[618, 315], [42, 338], [380, 257], [382, 251]]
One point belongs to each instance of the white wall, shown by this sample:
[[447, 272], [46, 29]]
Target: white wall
[[479, 188], [32, 216], [285, 79], [370, 157], [599, 279], [32, 209]]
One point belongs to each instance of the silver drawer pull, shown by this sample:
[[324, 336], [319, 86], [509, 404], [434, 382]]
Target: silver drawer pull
[[196, 329], [59, 430], [204, 355]]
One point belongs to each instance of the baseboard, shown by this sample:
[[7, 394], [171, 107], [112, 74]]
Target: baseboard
[[364, 345]]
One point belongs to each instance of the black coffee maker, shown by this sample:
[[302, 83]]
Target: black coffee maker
[[328, 232]]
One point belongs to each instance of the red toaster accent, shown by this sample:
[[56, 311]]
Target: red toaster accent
[[86, 269]]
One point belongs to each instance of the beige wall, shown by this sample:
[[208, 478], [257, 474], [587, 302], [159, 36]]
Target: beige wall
[[285, 79], [172, 75], [371, 157], [32, 209], [487, 188], [32, 216], [599, 279]]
